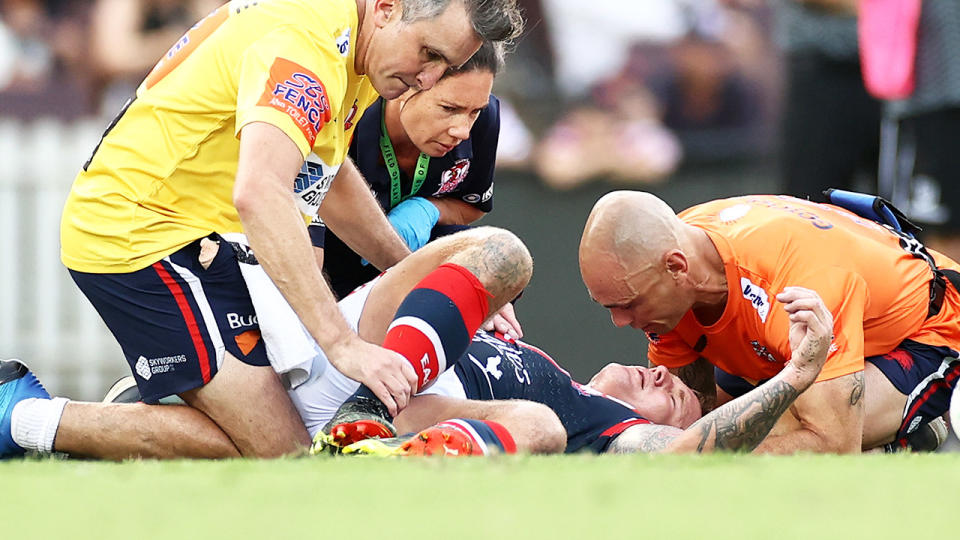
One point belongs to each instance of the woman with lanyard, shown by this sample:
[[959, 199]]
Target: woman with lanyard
[[429, 158]]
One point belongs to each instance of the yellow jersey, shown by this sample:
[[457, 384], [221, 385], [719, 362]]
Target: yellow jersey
[[163, 174]]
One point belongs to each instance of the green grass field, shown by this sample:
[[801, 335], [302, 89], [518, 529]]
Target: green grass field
[[722, 496]]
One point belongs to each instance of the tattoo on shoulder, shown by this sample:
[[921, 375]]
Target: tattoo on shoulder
[[742, 424], [643, 438], [856, 393]]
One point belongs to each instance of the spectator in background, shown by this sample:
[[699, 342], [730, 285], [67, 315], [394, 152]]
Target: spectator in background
[[690, 97], [928, 115], [830, 124], [26, 59], [620, 134], [128, 37], [706, 100], [41, 55]]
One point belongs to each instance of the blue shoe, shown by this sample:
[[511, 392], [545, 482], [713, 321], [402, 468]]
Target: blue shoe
[[17, 383]]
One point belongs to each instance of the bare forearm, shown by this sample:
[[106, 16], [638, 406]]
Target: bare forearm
[[836, 428], [279, 239], [351, 212], [743, 423], [455, 211]]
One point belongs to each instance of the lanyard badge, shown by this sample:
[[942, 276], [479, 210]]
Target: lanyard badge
[[393, 168]]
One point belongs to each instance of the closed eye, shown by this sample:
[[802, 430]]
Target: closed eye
[[434, 56]]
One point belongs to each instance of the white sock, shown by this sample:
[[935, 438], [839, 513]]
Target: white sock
[[34, 423]]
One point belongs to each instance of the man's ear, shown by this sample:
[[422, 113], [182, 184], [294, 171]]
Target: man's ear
[[383, 10], [675, 261]]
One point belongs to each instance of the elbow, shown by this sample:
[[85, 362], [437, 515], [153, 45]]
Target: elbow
[[246, 199], [472, 214]]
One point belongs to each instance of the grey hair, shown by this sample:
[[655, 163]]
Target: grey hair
[[492, 20]]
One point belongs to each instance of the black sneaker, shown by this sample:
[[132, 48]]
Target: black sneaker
[[927, 438], [123, 391], [359, 419]]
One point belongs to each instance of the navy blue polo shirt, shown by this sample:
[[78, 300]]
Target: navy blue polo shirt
[[466, 172]]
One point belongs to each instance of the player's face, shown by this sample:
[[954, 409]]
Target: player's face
[[658, 395], [439, 119], [415, 55], [648, 299]]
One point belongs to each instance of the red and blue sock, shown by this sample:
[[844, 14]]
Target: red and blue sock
[[461, 437], [436, 321]]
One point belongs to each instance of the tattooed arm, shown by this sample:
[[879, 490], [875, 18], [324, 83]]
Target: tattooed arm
[[743, 423], [830, 417], [738, 425]]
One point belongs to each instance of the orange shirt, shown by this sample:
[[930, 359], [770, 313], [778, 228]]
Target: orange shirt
[[878, 293]]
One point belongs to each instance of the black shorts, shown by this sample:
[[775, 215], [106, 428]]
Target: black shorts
[[175, 319]]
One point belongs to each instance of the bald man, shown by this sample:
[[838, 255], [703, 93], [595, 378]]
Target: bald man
[[703, 287]]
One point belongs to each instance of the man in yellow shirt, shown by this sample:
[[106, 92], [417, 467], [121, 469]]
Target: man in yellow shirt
[[241, 127]]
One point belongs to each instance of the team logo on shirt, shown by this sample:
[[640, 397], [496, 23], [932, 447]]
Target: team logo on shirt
[[452, 177], [757, 296], [343, 42], [351, 116], [298, 92], [488, 194], [763, 352], [312, 184]]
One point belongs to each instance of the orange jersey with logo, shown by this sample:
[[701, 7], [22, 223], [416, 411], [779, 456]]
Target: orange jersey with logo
[[163, 174], [878, 293]]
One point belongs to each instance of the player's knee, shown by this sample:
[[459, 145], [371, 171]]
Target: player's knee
[[544, 433], [270, 426], [505, 254]]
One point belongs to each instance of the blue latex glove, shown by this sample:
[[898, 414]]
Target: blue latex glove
[[413, 219]]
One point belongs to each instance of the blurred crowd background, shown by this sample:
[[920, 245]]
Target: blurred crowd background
[[623, 90], [690, 99]]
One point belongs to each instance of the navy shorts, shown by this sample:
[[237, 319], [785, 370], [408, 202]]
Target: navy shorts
[[926, 374], [174, 319]]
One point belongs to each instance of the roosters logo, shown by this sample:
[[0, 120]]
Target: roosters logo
[[454, 176]]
